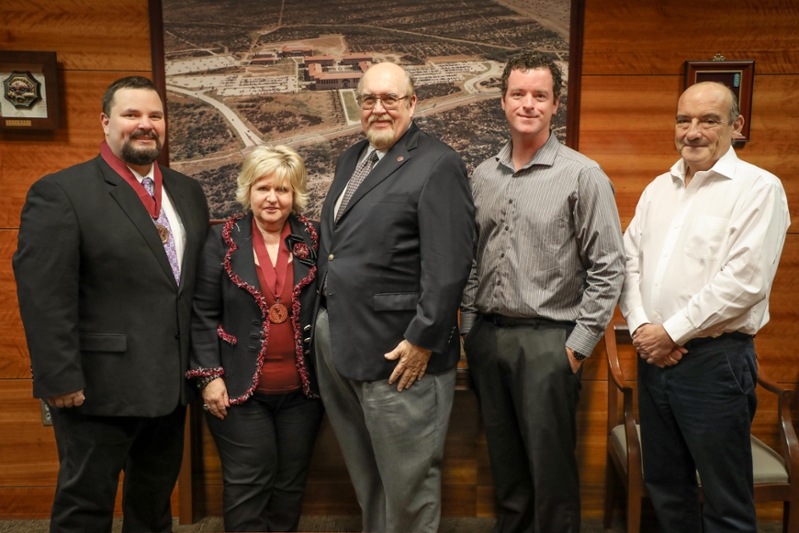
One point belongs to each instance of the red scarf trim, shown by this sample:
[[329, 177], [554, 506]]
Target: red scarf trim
[[152, 204]]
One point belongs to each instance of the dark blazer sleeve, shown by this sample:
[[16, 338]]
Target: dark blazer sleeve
[[446, 226], [47, 271], [205, 358]]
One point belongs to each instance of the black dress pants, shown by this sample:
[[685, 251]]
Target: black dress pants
[[265, 445], [528, 399], [93, 450]]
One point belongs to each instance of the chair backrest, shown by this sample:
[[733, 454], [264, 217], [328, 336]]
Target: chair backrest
[[616, 334]]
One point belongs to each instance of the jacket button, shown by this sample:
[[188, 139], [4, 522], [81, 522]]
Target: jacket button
[[306, 340], [330, 257], [177, 336], [307, 352], [307, 328]]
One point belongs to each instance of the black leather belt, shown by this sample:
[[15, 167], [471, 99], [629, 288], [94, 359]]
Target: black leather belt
[[731, 335], [503, 321]]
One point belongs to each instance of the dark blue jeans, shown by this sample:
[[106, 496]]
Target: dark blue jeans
[[697, 416]]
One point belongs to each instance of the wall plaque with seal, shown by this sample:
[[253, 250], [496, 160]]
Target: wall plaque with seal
[[29, 99]]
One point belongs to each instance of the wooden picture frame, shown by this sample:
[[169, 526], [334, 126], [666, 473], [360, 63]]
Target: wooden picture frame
[[737, 75], [30, 96], [573, 53]]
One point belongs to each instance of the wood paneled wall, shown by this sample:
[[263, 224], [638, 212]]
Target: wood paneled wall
[[632, 75]]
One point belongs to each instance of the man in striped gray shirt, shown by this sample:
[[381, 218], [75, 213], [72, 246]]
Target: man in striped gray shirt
[[548, 270]]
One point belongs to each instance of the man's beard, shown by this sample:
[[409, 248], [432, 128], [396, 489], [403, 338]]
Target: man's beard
[[140, 156], [382, 139]]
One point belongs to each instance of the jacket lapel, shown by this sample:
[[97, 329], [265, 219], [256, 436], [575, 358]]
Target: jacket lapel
[[340, 181], [131, 205], [398, 155], [242, 260], [298, 228], [183, 209]]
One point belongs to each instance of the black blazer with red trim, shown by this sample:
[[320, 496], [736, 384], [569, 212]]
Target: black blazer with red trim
[[101, 308], [229, 323]]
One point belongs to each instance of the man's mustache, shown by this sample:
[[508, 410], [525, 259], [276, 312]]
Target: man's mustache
[[139, 134], [384, 116]]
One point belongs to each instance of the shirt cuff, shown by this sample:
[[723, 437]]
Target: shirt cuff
[[680, 328], [635, 318], [467, 321], [581, 341]]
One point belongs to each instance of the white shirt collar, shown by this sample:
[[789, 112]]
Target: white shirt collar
[[725, 166]]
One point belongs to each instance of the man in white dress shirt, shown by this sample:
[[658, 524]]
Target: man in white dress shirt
[[702, 251]]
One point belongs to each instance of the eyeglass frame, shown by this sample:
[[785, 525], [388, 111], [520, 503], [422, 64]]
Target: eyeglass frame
[[360, 100]]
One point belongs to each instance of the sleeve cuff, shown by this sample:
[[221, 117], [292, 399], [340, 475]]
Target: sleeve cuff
[[680, 328], [635, 318], [467, 321], [582, 342]]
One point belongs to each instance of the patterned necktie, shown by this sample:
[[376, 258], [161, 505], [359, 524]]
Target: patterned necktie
[[169, 245], [361, 171]]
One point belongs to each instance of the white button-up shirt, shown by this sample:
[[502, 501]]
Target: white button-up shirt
[[701, 259]]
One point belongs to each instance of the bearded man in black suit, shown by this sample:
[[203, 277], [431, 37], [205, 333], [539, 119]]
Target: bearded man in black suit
[[105, 272], [395, 253]]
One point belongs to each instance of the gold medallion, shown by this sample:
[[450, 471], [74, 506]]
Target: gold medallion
[[163, 232]]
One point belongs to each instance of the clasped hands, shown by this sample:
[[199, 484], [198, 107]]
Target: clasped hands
[[655, 346], [411, 366]]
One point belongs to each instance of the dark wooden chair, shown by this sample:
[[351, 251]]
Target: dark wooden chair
[[776, 475]]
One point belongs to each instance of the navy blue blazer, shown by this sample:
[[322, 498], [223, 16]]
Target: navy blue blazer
[[397, 261]]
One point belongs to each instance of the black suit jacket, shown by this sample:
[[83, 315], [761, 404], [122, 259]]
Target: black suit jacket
[[398, 259], [230, 312], [100, 306]]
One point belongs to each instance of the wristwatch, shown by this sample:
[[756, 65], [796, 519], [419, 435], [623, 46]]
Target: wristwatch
[[579, 356]]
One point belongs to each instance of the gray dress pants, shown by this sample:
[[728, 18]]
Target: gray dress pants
[[528, 399], [393, 442]]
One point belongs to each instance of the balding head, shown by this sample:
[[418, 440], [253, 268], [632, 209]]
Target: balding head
[[383, 122], [731, 101], [706, 124]]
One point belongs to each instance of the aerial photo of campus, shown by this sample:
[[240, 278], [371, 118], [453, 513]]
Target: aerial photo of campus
[[241, 73]]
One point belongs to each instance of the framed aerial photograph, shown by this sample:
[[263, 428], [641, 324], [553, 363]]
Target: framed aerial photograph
[[30, 91], [737, 75], [239, 73]]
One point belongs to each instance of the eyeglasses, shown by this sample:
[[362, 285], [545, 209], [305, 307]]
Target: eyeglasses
[[389, 101]]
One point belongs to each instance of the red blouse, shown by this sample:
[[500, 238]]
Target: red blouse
[[279, 373]]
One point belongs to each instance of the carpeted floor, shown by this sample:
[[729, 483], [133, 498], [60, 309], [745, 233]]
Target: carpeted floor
[[353, 523]]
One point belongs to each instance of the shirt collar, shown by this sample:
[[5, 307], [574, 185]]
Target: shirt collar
[[725, 166], [139, 177], [545, 156]]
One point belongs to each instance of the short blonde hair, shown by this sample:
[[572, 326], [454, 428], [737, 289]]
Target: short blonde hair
[[287, 167]]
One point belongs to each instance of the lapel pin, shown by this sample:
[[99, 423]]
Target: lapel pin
[[399, 158]]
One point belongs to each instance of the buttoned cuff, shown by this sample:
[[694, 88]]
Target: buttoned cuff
[[467, 321], [581, 341], [680, 328], [635, 318]]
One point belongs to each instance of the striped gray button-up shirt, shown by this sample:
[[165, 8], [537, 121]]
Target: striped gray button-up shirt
[[549, 242]]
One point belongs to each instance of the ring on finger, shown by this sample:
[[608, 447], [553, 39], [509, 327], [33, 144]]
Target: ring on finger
[[206, 407]]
